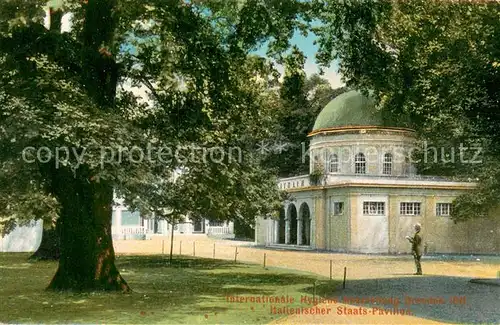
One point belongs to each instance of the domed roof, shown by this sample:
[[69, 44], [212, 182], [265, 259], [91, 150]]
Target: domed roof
[[351, 108]]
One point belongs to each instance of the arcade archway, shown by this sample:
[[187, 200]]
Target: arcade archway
[[305, 224], [292, 219], [282, 227]]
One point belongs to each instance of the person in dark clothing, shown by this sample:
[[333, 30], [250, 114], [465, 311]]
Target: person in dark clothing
[[416, 248]]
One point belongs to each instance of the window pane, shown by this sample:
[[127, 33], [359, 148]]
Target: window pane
[[373, 208], [443, 209], [409, 208], [387, 165], [334, 163], [360, 164], [338, 208]]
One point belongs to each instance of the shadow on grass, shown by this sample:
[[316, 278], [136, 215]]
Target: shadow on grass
[[480, 305], [158, 261], [214, 278], [323, 288]]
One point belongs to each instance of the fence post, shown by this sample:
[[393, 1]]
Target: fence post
[[331, 265], [172, 245], [214, 251], [162, 247], [194, 248], [345, 273], [180, 248], [235, 253]]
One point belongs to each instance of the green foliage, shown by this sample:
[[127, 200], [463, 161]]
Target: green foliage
[[435, 62], [316, 176], [299, 103], [203, 89]]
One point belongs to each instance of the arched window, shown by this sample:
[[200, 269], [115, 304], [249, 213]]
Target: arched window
[[360, 164], [334, 163], [387, 164]]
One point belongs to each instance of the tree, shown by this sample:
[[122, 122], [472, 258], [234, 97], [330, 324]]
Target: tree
[[49, 248], [300, 101], [70, 130], [20, 199], [435, 62]]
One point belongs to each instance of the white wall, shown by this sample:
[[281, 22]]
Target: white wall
[[23, 239]]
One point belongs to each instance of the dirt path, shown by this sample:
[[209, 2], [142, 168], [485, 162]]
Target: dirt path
[[374, 277]]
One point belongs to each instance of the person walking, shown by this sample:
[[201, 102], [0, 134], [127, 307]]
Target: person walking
[[416, 247]]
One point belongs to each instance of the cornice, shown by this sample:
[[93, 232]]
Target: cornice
[[370, 185], [361, 129]]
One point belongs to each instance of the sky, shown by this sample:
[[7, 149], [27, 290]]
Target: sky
[[307, 46]]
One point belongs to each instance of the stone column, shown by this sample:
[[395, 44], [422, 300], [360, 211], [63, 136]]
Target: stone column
[[276, 231], [314, 211], [257, 233], [287, 226], [287, 231], [308, 230], [271, 227], [269, 231], [299, 230]]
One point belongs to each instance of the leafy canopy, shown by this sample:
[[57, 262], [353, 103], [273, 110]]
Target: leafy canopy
[[190, 58]]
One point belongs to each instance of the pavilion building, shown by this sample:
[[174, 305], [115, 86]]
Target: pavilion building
[[363, 194]]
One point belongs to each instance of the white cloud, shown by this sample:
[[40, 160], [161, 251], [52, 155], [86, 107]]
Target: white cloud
[[331, 74], [334, 78]]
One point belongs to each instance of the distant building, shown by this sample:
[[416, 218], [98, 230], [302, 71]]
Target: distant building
[[126, 224], [23, 239], [363, 194], [131, 225]]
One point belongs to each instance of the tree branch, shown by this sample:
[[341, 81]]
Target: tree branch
[[55, 19], [150, 86]]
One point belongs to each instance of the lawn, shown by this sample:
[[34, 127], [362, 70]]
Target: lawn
[[191, 290]]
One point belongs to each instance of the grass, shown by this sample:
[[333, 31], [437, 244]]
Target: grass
[[190, 291]]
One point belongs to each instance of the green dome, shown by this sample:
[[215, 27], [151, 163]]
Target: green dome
[[351, 108]]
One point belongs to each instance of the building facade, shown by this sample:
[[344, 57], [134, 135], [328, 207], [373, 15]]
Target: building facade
[[363, 193], [128, 224]]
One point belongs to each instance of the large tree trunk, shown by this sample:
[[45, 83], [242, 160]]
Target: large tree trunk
[[87, 259], [49, 248]]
